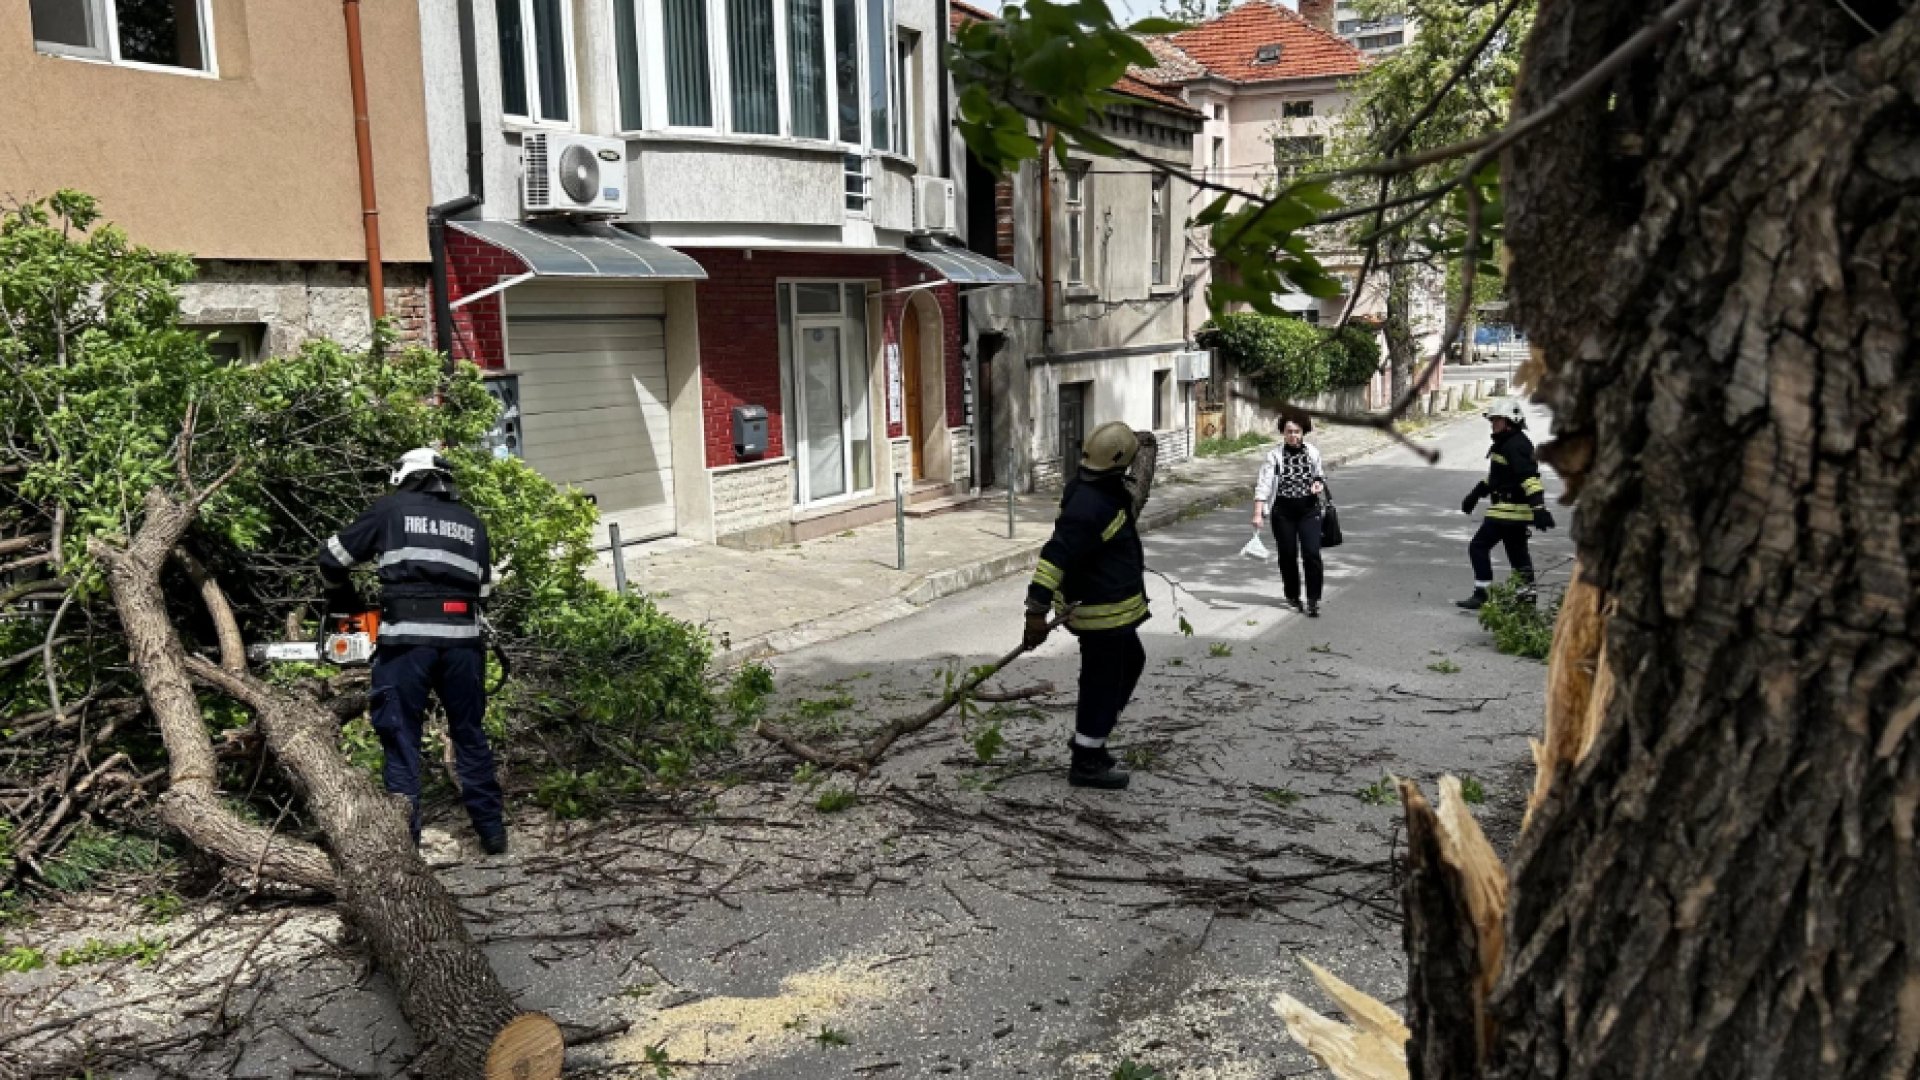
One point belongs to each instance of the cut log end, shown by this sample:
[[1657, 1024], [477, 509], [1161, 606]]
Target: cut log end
[[530, 1047]]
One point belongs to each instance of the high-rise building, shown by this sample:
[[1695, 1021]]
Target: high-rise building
[[1382, 33]]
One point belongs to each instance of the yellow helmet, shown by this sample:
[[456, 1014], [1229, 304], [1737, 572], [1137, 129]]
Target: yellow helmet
[[1111, 446]]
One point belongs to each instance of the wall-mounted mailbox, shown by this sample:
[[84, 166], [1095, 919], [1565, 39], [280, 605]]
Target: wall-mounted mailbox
[[749, 430]]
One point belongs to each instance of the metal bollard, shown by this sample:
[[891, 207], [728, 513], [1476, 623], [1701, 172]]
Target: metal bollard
[[900, 522], [1009, 482], [619, 559]]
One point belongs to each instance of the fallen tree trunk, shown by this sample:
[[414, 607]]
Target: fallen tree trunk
[[465, 1021]]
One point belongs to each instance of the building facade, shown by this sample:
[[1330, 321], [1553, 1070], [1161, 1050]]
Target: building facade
[[765, 334], [1101, 331], [226, 130]]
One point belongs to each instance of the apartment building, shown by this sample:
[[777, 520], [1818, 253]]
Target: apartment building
[[227, 130], [1100, 331], [699, 246]]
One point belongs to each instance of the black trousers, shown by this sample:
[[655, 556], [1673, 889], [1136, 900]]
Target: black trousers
[[1510, 534], [402, 677], [1296, 532], [1110, 665]]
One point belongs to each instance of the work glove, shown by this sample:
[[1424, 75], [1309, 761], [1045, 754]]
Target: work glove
[[1473, 498], [1541, 519], [1036, 631]]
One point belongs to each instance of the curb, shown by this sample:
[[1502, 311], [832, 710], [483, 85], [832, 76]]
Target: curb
[[958, 579]]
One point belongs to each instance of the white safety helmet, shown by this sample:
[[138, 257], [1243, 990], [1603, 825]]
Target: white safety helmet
[[425, 459], [1511, 410]]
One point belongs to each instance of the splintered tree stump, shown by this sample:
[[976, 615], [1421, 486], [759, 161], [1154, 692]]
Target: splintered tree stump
[[528, 1048]]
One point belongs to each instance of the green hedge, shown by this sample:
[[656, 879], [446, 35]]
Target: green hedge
[[1292, 359], [1356, 358], [1283, 358]]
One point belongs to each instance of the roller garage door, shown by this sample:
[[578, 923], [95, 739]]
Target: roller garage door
[[592, 361]]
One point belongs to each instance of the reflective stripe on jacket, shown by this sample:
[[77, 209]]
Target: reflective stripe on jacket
[[434, 562], [1094, 562], [1513, 479]]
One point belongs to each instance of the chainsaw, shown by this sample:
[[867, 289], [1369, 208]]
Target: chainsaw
[[348, 644]]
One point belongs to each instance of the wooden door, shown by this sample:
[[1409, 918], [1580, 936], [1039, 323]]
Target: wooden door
[[910, 371]]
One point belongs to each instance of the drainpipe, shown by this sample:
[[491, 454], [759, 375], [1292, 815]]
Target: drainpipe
[[363, 146], [476, 186], [1046, 242]]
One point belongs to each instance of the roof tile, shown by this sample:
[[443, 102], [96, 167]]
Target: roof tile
[[1226, 46]]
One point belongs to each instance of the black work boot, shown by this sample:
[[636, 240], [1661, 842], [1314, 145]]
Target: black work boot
[[1475, 602], [1093, 767], [494, 841], [1313, 609], [1294, 603]]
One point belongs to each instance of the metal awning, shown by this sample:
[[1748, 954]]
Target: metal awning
[[962, 267], [584, 249]]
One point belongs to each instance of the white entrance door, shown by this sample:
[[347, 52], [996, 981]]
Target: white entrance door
[[592, 360]]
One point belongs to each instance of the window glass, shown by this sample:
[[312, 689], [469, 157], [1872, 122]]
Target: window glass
[[819, 299], [807, 67], [550, 54], [626, 29], [859, 412], [902, 95], [689, 70], [513, 58], [846, 67], [751, 68], [163, 32], [68, 25], [879, 52]]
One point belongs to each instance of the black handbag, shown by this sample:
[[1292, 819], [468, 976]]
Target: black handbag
[[1329, 519]]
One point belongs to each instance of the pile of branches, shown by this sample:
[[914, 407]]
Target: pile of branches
[[106, 401]]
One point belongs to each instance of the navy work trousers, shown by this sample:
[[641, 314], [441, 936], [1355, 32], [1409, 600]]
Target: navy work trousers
[[1512, 535], [1110, 665], [402, 677], [1296, 532]]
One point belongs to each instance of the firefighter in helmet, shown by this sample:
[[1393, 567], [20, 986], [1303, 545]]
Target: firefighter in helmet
[[434, 567], [1519, 501], [1093, 570]]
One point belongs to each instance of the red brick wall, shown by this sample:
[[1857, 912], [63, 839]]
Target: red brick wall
[[739, 333], [479, 327]]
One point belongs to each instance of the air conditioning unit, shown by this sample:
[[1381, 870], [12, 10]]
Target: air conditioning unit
[[572, 174], [933, 205], [1193, 366]]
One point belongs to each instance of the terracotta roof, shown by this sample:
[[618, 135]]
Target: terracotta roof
[[959, 14], [1175, 65], [1227, 46], [1133, 86]]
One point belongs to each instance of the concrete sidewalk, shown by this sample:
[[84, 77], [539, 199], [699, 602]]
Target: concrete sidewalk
[[763, 603]]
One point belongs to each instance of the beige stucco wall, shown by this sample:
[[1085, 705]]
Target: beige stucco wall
[[257, 163]]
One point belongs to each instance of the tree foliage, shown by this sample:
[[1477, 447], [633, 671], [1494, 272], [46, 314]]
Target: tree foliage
[[106, 396]]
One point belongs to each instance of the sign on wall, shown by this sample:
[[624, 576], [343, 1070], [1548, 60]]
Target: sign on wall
[[896, 394]]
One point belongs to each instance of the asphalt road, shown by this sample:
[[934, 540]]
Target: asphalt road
[[1036, 945], [961, 916]]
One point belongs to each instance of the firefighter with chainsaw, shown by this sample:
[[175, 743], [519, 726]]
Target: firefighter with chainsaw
[[434, 566], [1519, 501], [1093, 572]]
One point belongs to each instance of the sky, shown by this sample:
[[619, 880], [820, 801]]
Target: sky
[[1127, 10]]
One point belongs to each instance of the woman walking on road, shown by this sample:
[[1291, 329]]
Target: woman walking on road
[[1291, 480]]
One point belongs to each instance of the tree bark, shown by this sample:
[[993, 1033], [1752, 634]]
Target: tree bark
[[1723, 881], [1403, 352], [191, 804], [447, 991]]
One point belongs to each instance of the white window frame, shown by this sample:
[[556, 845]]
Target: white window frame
[[530, 59], [651, 17], [793, 390], [901, 94], [1075, 211], [106, 14]]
